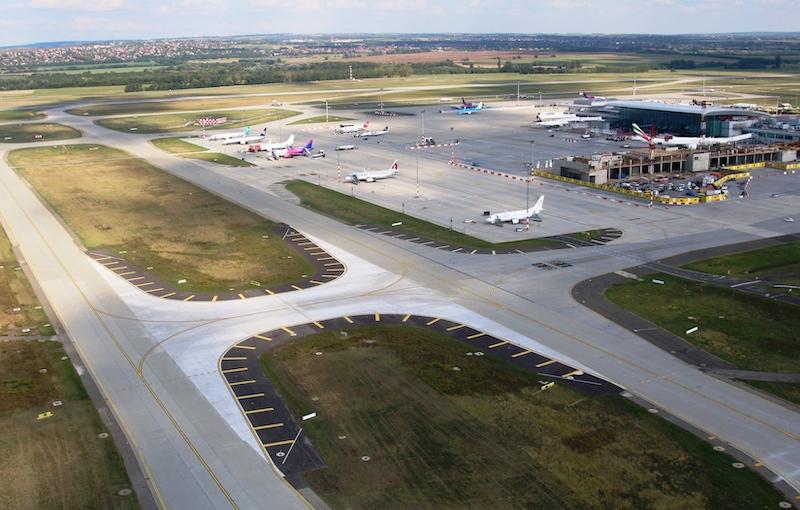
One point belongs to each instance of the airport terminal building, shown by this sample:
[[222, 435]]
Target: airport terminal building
[[676, 119]]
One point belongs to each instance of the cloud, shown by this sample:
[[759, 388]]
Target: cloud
[[81, 5]]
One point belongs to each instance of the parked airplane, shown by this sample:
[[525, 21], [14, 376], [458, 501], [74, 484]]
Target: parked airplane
[[367, 134], [516, 216], [590, 97], [564, 120], [272, 146], [224, 136], [689, 142], [373, 175], [244, 139], [465, 104], [470, 108], [343, 129], [290, 152]]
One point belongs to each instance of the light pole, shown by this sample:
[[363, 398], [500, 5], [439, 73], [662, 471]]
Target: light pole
[[417, 195], [326, 111], [338, 167], [528, 192], [423, 123], [517, 93], [452, 147], [540, 99]]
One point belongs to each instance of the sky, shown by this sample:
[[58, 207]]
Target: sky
[[28, 21]]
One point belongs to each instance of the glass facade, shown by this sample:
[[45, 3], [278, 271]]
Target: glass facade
[[674, 123]]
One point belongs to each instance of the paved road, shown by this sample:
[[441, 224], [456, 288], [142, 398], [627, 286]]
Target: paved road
[[158, 362]]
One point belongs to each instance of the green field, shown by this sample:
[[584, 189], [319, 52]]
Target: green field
[[16, 292], [36, 132], [485, 435], [320, 118], [355, 211], [113, 200], [178, 122], [751, 332], [780, 263], [13, 115], [176, 146]]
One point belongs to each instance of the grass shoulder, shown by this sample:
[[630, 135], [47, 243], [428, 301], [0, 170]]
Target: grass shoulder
[[183, 122], [751, 332], [21, 114], [319, 119], [432, 420], [115, 201], [355, 211], [778, 261], [184, 149], [36, 132], [19, 308]]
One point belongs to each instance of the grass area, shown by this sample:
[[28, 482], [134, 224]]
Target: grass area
[[751, 332], [12, 115], [355, 211], [773, 262], [175, 145], [170, 106], [36, 132], [786, 391], [485, 435], [58, 462], [16, 293], [113, 200], [177, 122], [320, 118]]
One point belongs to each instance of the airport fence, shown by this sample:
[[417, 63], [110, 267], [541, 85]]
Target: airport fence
[[731, 177], [787, 166]]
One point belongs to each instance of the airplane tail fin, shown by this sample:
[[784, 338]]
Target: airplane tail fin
[[537, 207], [310, 144], [394, 165], [463, 101], [290, 140], [638, 131], [366, 124]]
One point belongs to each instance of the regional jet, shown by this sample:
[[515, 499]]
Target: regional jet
[[516, 216], [344, 129], [272, 146], [244, 139], [290, 152], [686, 141], [367, 134], [373, 175]]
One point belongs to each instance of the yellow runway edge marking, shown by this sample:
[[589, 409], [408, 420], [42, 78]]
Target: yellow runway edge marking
[[214, 299], [291, 333], [377, 317], [453, 328], [348, 319], [262, 337], [262, 410], [249, 347], [278, 443], [295, 287], [239, 383], [270, 426], [189, 298], [433, 321], [233, 370], [476, 335], [407, 316], [234, 358], [241, 296], [319, 325], [523, 353], [545, 363], [267, 291], [498, 344], [252, 395]]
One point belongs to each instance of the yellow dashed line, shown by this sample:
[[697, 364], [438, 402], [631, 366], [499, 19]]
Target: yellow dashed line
[[317, 324], [523, 353], [262, 337], [377, 317], [248, 347], [189, 298], [348, 319], [329, 264], [278, 443], [476, 335], [453, 328], [137, 278], [406, 317], [270, 426], [252, 395], [239, 383], [330, 276], [234, 358], [127, 273], [241, 296], [545, 363], [267, 291], [574, 372], [498, 344], [233, 370], [120, 268], [315, 282], [214, 299], [433, 321], [168, 295], [314, 254], [262, 410], [155, 290], [295, 287], [144, 284], [291, 333]]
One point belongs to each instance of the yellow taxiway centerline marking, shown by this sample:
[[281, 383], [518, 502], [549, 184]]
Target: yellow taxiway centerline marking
[[262, 410], [278, 443], [239, 383], [498, 344], [270, 426], [523, 353], [252, 395], [545, 363], [476, 335], [433, 321]]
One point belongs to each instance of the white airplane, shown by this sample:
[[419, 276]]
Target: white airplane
[[373, 175], [272, 146], [689, 142], [224, 136], [344, 129], [366, 134], [244, 139], [516, 216]]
